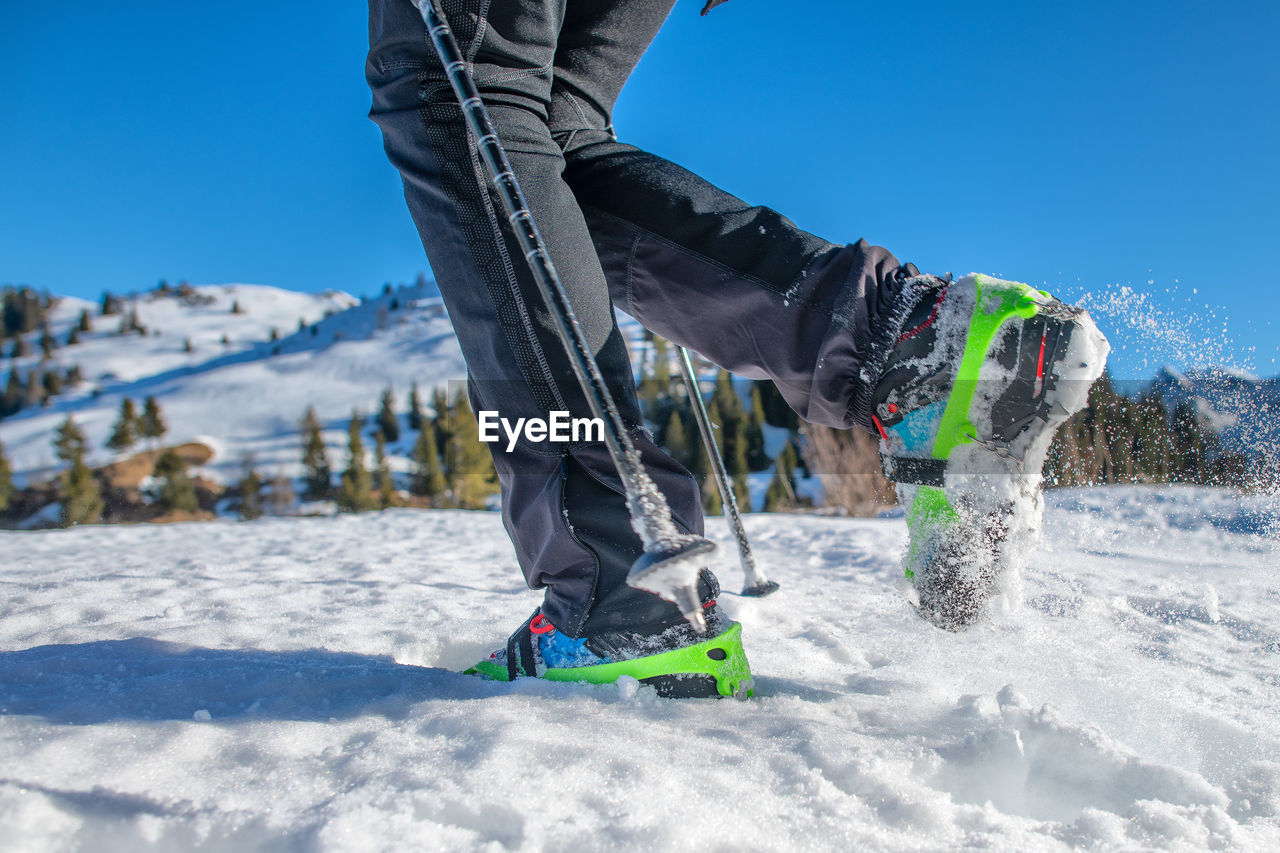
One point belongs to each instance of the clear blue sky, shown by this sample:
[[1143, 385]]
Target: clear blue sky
[[1078, 146]]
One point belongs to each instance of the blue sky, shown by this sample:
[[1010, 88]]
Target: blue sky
[[1081, 147]]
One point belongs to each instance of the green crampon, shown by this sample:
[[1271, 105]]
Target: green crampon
[[715, 667]]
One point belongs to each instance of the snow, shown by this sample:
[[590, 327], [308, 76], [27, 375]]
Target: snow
[[287, 684]]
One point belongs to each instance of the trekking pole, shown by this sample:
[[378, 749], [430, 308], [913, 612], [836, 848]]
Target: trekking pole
[[754, 582], [672, 560]]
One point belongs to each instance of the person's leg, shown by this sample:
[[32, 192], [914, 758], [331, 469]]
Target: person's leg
[[562, 506], [740, 284]]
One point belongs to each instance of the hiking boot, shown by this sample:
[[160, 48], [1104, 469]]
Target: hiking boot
[[980, 377], [680, 663]]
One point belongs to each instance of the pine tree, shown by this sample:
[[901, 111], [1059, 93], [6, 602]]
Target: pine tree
[[73, 337], [712, 504], [415, 408], [315, 461], [110, 304], [388, 423], [51, 382], [84, 324], [356, 492], [178, 492], [6, 480], [661, 363], [1191, 456], [440, 409], [80, 495], [69, 441], [78, 489], [153, 425], [280, 496], [753, 433], [250, 489], [469, 470], [11, 401], [733, 429], [125, 432], [428, 479], [674, 440], [34, 394], [386, 488], [779, 497]]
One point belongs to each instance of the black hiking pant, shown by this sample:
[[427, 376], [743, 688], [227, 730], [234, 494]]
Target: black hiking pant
[[741, 285]]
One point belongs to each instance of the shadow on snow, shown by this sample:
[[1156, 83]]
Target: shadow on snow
[[144, 679]]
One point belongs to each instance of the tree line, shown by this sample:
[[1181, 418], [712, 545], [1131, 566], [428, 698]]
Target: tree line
[[449, 466]]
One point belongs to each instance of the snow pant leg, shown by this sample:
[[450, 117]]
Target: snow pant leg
[[739, 284], [562, 504]]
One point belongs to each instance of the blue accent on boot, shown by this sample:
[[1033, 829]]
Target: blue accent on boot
[[559, 651], [918, 428]]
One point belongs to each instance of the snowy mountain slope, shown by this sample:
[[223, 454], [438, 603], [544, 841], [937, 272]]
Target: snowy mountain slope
[[248, 396], [284, 684], [1243, 409]]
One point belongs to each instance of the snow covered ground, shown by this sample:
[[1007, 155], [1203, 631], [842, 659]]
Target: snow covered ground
[[287, 685]]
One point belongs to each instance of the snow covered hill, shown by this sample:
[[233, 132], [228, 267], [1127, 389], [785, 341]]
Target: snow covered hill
[[1243, 409], [286, 684], [246, 395]]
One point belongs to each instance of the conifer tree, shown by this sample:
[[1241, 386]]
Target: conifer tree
[[753, 433], [280, 496], [80, 495], [779, 497], [469, 470], [661, 363], [1191, 454], [355, 494], [388, 423], [73, 337], [125, 432], [712, 504], [84, 324], [69, 441], [428, 479], [110, 304], [386, 488], [250, 489], [440, 410], [177, 493], [11, 401], [78, 489], [674, 440], [153, 425], [415, 408], [47, 344], [315, 461], [51, 382], [6, 480], [33, 394]]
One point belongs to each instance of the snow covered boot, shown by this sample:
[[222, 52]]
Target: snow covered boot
[[978, 380], [679, 663]]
